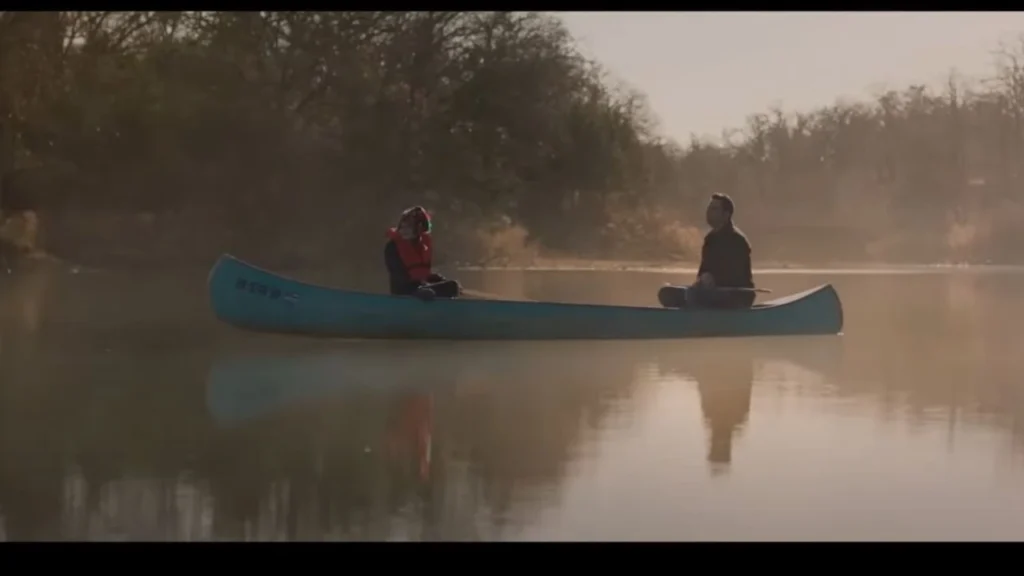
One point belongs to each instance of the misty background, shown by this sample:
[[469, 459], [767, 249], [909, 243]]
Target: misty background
[[293, 139]]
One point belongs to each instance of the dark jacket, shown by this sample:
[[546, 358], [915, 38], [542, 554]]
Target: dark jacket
[[726, 255], [398, 276]]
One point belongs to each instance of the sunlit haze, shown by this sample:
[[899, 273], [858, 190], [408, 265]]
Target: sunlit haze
[[707, 71]]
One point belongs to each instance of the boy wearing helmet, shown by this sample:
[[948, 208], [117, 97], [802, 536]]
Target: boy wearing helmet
[[408, 256]]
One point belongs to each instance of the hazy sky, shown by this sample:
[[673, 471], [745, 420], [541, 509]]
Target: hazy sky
[[705, 71]]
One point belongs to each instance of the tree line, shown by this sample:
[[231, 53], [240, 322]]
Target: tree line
[[296, 137]]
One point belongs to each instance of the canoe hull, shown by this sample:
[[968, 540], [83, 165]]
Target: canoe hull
[[251, 298]]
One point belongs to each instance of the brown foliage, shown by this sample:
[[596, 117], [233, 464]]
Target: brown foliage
[[296, 136]]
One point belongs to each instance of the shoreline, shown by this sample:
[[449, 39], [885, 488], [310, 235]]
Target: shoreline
[[39, 260], [767, 267]]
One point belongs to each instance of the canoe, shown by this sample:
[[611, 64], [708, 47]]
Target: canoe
[[251, 298]]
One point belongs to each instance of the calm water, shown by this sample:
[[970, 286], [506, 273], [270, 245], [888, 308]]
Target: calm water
[[127, 413]]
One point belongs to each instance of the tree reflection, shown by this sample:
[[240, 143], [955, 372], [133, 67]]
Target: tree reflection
[[454, 449], [490, 436]]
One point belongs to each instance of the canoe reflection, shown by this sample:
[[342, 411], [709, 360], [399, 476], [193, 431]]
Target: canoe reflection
[[462, 441], [468, 439]]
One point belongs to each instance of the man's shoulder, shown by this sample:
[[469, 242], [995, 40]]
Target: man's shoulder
[[737, 233], [727, 232]]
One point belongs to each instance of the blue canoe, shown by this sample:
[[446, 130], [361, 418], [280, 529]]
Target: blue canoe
[[250, 298]]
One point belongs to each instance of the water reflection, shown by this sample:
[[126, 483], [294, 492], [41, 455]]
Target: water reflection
[[940, 348], [119, 420], [451, 441], [444, 441], [725, 374], [725, 403], [352, 441]]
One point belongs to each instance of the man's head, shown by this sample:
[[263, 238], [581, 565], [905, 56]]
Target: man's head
[[413, 222], [720, 210]]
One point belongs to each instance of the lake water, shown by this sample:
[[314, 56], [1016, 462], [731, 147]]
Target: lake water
[[128, 413]]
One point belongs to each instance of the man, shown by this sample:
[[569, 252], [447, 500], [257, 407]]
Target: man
[[408, 256], [725, 268]]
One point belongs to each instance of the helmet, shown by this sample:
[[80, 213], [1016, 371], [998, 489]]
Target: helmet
[[418, 217]]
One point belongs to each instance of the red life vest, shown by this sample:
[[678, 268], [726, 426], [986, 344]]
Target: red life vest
[[416, 255]]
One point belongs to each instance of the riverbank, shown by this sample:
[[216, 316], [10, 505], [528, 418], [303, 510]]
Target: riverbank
[[768, 266], [147, 243], [41, 260]]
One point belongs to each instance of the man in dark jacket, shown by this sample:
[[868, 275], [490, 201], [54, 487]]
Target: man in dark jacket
[[725, 278]]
